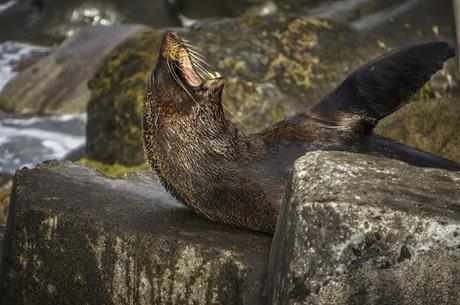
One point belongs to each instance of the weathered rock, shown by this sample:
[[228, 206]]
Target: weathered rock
[[430, 125], [58, 82], [358, 229], [74, 237], [276, 66]]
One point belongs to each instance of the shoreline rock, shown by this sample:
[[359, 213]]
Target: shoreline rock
[[57, 83], [75, 236], [358, 229], [354, 229]]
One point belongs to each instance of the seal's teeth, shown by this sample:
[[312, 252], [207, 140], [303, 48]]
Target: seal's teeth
[[214, 75]]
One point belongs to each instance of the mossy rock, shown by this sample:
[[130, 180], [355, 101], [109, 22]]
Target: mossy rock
[[432, 125], [269, 77], [114, 110], [78, 238], [276, 66]]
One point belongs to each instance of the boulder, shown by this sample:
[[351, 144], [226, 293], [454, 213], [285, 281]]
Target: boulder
[[276, 65], [357, 229], [272, 80], [75, 237], [58, 82], [432, 125]]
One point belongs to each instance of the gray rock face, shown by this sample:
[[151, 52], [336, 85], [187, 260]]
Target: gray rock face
[[58, 83], [363, 230], [74, 237]]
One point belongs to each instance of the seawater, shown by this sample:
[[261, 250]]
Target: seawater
[[28, 140]]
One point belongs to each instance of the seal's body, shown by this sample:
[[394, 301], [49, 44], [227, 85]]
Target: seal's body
[[206, 163]]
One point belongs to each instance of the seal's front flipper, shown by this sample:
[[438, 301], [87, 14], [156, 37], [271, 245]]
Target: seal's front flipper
[[381, 86]]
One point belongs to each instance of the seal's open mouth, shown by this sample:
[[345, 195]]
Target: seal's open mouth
[[185, 62], [188, 70]]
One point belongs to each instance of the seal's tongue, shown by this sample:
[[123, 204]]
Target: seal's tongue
[[188, 71]]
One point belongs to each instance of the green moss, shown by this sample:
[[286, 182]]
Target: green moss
[[115, 107], [426, 92], [114, 170]]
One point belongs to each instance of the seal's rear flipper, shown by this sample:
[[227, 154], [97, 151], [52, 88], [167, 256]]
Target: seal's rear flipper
[[381, 86]]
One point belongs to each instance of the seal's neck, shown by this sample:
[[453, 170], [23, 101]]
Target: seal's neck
[[190, 139]]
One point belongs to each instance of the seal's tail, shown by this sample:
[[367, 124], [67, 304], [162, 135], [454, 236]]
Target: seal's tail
[[382, 86]]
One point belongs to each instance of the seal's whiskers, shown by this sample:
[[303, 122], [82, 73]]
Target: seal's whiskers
[[177, 79], [200, 58]]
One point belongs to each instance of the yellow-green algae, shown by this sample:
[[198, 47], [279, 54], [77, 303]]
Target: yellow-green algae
[[113, 170]]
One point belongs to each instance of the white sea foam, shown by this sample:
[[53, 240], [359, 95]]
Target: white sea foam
[[34, 120], [28, 141], [7, 5], [10, 54]]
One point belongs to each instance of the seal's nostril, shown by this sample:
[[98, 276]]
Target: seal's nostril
[[170, 35]]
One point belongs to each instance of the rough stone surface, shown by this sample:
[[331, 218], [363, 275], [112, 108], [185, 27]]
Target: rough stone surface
[[75, 237], [358, 229], [430, 125], [276, 66], [58, 82]]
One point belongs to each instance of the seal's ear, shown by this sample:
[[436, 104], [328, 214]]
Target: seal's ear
[[213, 88]]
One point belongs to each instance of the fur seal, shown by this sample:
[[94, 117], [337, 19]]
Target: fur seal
[[203, 160]]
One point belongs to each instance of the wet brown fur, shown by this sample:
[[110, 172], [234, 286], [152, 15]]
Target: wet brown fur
[[206, 163]]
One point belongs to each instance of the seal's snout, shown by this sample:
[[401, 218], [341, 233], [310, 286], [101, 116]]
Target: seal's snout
[[171, 45], [184, 62]]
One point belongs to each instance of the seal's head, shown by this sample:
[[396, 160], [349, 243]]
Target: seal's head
[[180, 79]]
